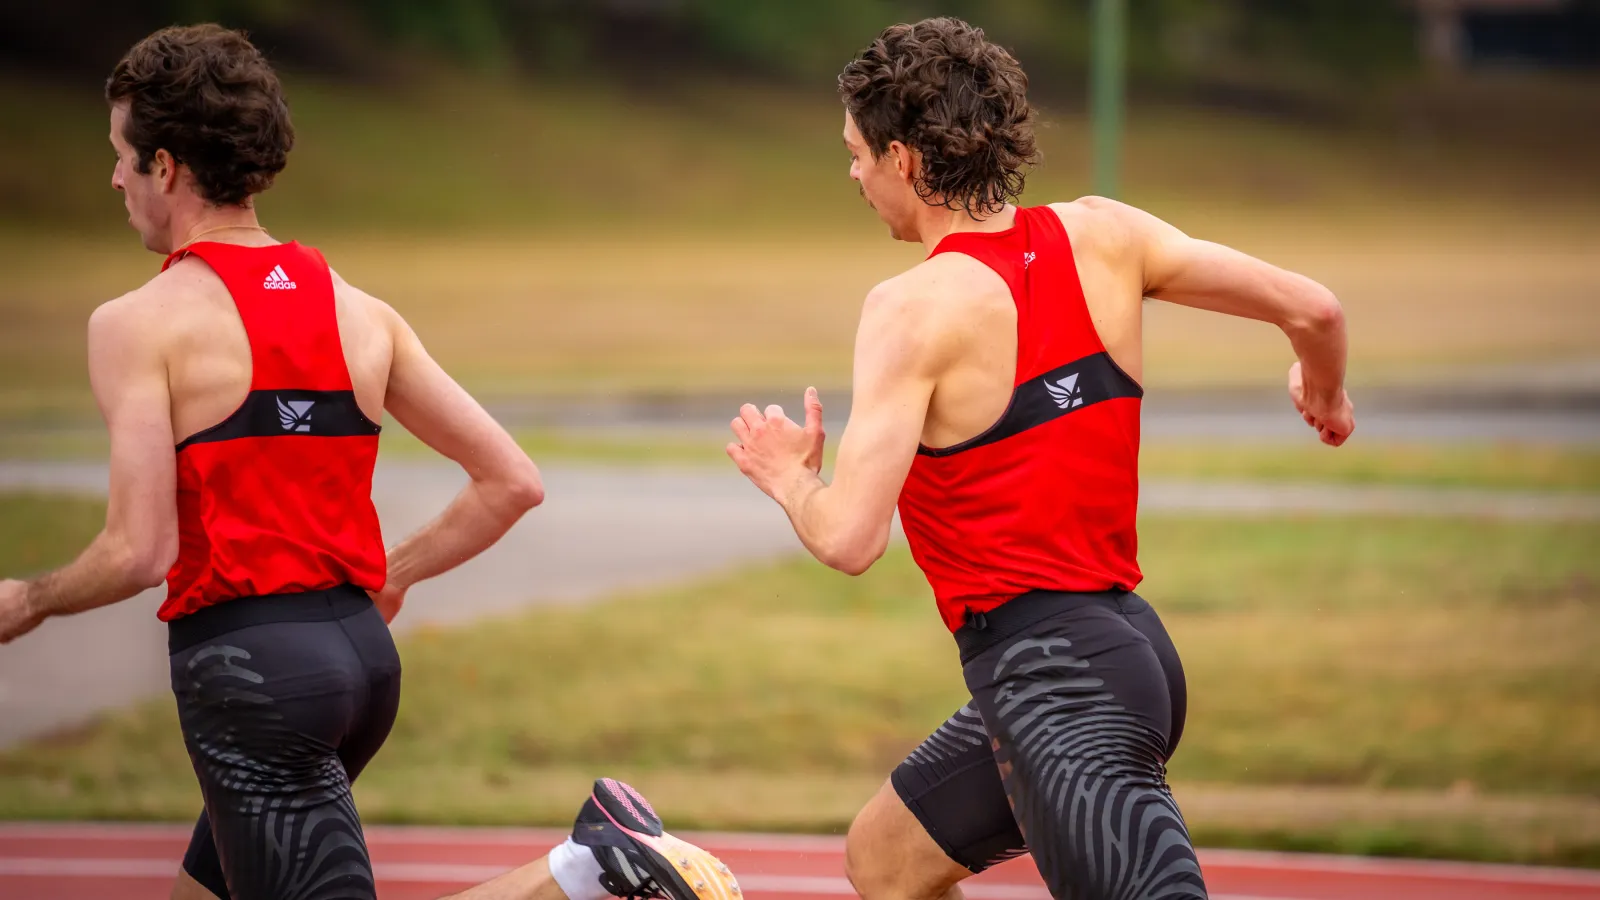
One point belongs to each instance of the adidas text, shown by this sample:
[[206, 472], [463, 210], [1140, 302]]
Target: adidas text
[[278, 280]]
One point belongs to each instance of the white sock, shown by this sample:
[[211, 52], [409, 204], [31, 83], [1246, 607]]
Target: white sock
[[577, 872]]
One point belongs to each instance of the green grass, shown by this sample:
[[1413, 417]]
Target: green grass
[[39, 532], [730, 159], [1508, 466], [552, 255], [1505, 466], [1366, 663], [1491, 466], [1455, 823], [513, 316]]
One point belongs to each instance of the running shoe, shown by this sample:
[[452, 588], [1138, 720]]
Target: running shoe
[[639, 859]]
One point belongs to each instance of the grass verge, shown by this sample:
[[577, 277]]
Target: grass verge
[[509, 315], [1488, 466], [39, 531], [1390, 686], [1501, 466]]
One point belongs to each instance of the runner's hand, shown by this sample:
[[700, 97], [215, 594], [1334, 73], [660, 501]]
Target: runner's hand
[[1334, 418], [389, 600], [770, 449], [17, 617]]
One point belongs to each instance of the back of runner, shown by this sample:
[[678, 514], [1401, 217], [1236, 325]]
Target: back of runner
[[243, 388], [996, 401]]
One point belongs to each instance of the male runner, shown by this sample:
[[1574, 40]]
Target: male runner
[[996, 396], [243, 387]]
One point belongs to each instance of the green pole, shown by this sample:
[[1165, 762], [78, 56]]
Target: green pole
[[1106, 93]]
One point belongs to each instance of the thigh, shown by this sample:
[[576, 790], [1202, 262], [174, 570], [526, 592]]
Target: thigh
[[184, 887], [263, 712], [951, 785], [888, 854], [1078, 709]]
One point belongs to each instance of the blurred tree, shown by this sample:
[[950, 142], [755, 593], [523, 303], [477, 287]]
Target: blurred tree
[[1171, 42]]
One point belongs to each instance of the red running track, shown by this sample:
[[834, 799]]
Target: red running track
[[137, 862]]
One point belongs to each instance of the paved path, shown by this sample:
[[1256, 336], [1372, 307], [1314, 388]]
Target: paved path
[[137, 862], [602, 530], [1557, 405], [599, 532]]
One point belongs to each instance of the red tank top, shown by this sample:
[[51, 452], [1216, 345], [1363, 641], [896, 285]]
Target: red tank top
[[277, 498], [1047, 498]]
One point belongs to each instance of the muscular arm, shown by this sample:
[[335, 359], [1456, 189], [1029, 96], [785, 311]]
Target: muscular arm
[[845, 524], [1200, 274], [140, 538], [504, 482]]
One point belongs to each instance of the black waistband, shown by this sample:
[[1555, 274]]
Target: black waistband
[[984, 630], [328, 605]]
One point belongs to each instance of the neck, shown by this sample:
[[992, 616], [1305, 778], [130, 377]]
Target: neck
[[935, 223], [221, 224]]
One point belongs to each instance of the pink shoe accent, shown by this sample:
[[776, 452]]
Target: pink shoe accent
[[626, 795], [649, 840], [639, 798]]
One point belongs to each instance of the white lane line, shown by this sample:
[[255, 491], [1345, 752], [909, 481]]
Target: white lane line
[[722, 842], [1482, 873], [431, 873]]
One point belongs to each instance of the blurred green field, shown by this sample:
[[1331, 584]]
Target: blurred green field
[[1415, 686], [41, 531], [478, 156], [562, 238], [510, 318], [1498, 466]]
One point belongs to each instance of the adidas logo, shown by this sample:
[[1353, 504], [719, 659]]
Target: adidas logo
[[1065, 392], [295, 415], [278, 280]]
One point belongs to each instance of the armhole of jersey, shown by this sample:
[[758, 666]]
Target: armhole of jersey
[[1083, 314], [249, 345], [1016, 362], [338, 336]]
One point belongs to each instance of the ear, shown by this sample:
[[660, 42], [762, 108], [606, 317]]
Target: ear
[[906, 160], [165, 168]]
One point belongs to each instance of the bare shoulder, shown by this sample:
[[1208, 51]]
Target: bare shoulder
[[348, 293], [921, 317], [1114, 231], [1091, 211], [152, 308], [1087, 209], [364, 307], [1103, 221], [938, 292]]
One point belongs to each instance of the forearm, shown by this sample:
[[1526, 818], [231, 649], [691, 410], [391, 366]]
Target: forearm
[[108, 572], [822, 521], [478, 517]]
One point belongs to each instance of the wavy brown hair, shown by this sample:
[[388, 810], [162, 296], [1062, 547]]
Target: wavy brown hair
[[941, 88], [207, 96]]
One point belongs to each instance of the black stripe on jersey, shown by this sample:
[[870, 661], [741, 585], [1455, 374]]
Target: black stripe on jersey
[[289, 413], [1058, 392]]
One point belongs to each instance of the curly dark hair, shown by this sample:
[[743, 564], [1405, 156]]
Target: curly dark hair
[[941, 88], [206, 95]]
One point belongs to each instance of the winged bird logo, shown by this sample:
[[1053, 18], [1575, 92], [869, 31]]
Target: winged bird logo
[[295, 415], [1065, 392]]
